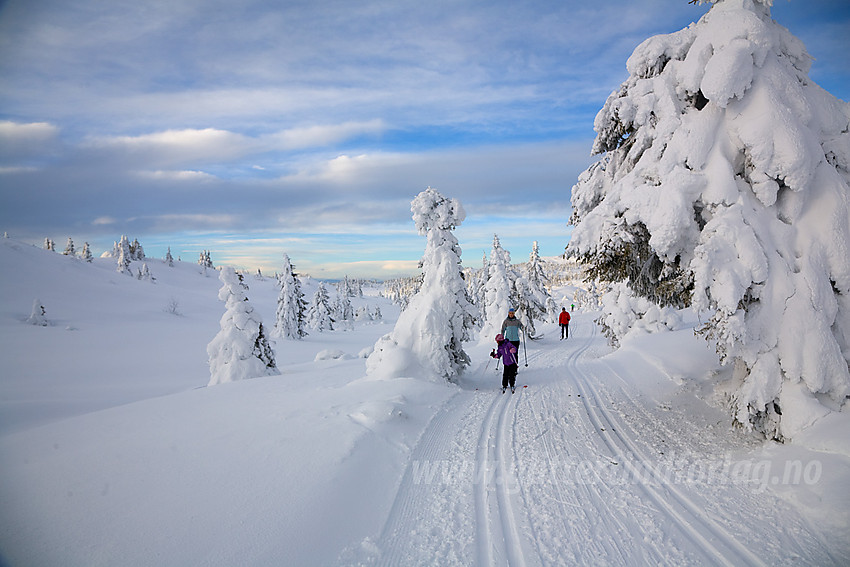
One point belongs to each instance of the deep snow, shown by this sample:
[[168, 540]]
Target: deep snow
[[113, 451]]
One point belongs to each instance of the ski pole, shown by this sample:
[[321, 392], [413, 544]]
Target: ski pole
[[524, 348]]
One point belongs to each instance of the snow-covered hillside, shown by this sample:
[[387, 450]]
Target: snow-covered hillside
[[114, 451]]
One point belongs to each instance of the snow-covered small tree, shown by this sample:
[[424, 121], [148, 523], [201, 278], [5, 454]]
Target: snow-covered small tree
[[319, 317], [240, 350], [69, 248], [289, 316], [428, 337], [205, 259], [349, 287], [86, 253], [535, 302], [363, 314], [145, 274], [38, 316], [400, 290], [724, 185], [475, 285], [343, 310], [169, 259], [123, 257], [499, 290], [136, 250], [49, 245]]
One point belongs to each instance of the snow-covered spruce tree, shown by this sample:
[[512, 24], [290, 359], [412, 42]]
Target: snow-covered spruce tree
[[363, 314], [499, 290], [205, 260], [534, 299], [319, 317], [343, 310], [400, 290], [136, 250], [122, 259], [169, 259], [427, 338], [348, 287], [69, 248], [145, 274], [86, 253], [289, 316], [240, 350], [475, 282], [49, 245], [725, 184], [38, 316]]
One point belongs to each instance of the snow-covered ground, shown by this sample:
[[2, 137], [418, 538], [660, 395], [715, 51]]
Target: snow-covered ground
[[113, 451]]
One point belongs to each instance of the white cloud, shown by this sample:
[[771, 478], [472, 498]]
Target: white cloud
[[13, 169], [160, 154], [190, 222], [25, 141], [14, 132], [512, 174], [176, 146], [184, 175], [296, 117], [322, 135]]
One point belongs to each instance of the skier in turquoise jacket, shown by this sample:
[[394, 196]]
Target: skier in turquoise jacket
[[511, 328]]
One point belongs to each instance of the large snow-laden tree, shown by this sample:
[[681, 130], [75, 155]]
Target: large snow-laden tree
[[427, 338], [289, 316], [240, 350], [724, 185]]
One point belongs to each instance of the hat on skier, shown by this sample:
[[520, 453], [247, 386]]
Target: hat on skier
[[511, 310], [499, 338]]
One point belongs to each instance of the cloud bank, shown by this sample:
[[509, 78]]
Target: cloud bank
[[313, 125]]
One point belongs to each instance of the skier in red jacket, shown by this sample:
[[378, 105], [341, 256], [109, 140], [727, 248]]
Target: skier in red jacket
[[564, 322]]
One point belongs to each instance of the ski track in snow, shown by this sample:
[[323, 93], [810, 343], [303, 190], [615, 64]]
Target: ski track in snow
[[714, 544], [525, 480]]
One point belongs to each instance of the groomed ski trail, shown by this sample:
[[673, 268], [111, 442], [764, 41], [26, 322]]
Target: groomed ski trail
[[562, 473], [498, 539]]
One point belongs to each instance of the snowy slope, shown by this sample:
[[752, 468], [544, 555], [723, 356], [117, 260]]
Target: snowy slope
[[114, 452]]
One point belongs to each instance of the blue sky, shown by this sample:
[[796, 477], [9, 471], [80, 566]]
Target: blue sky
[[254, 128]]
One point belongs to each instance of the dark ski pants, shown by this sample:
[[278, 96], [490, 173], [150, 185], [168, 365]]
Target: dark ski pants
[[509, 376], [565, 331]]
